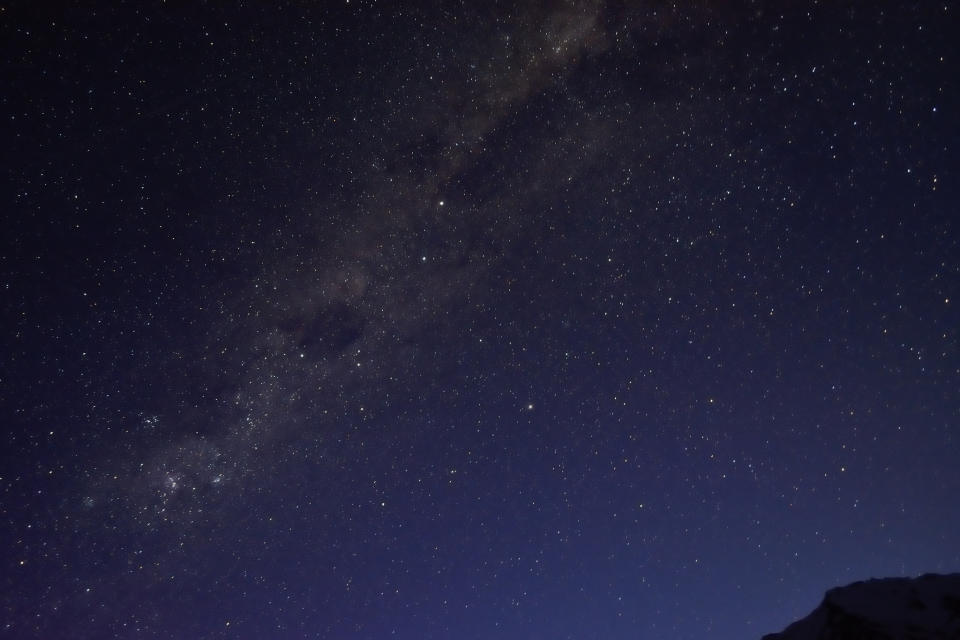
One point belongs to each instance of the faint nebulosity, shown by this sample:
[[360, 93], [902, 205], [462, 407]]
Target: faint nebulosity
[[473, 320]]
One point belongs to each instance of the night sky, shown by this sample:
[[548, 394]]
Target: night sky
[[361, 320]]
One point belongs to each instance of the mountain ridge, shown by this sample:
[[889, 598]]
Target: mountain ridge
[[920, 608]]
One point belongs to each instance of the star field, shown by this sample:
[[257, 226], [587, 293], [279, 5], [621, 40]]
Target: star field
[[545, 320]]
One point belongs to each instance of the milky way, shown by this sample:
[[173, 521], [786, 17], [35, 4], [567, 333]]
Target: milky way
[[556, 320]]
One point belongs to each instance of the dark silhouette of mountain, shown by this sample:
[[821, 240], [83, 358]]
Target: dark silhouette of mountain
[[923, 608]]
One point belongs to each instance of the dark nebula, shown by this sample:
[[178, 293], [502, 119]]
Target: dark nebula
[[328, 332]]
